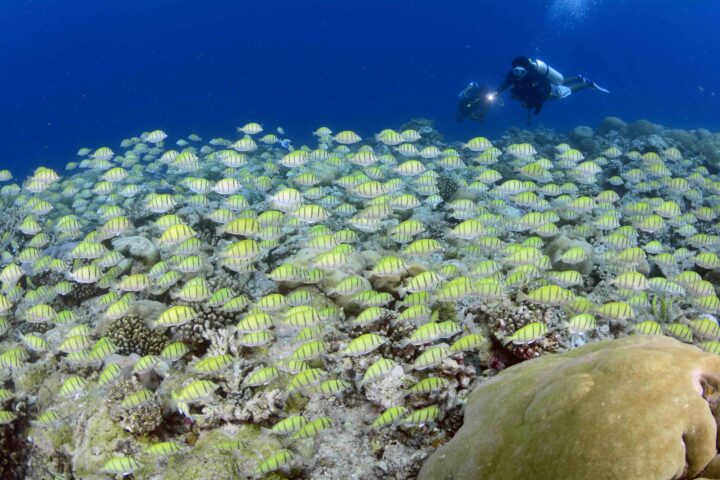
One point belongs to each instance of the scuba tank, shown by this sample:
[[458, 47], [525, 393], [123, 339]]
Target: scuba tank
[[545, 70]]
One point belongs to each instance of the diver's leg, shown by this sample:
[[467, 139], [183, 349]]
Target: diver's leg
[[559, 91], [576, 87], [578, 82]]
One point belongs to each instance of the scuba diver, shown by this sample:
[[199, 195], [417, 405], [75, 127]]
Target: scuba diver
[[532, 82], [474, 102]]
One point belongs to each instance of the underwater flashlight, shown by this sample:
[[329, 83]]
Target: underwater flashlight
[[490, 97]]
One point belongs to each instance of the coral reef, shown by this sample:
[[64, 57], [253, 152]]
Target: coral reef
[[13, 451], [131, 335], [710, 148], [635, 408], [195, 334], [505, 319], [425, 127], [235, 308], [640, 128], [137, 247], [209, 460], [447, 187], [611, 124], [556, 248], [138, 420], [582, 137]]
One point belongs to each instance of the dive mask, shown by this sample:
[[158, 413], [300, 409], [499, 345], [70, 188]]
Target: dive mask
[[519, 72]]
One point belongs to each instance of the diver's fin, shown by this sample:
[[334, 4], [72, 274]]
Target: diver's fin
[[594, 85], [598, 87]]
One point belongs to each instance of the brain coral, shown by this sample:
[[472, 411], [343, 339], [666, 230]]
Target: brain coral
[[640, 407]]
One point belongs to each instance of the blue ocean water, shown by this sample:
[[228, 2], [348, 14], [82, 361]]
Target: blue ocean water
[[77, 73]]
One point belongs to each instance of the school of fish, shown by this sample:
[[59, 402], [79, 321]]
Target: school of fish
[[363, 245]]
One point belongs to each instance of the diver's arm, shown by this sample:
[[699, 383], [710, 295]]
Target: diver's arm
[[504, 85]]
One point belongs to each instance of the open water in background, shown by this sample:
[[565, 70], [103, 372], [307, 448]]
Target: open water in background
[[78, 73]]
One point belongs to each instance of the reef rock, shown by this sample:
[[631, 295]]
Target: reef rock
[[581, 133], [641, 128], [582, 138], [636, 408], [562, 244], [611, 124], [710, 148], [137, 247]]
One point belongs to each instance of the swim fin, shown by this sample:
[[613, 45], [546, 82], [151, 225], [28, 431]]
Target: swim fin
[[594, 85], [598, 87]]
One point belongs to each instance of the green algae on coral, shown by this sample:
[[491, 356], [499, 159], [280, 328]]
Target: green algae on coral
[[207, 462]]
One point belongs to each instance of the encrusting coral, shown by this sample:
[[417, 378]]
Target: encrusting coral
[[635, 408]]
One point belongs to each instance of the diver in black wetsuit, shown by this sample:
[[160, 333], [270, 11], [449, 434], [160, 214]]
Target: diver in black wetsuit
[[533, 82], [473, 102]]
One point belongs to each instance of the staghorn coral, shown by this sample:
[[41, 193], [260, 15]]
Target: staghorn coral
[[635, 408]]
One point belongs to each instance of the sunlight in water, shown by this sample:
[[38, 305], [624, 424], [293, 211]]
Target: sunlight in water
[[568, 14]]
